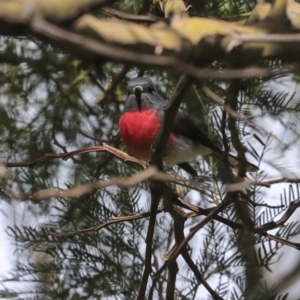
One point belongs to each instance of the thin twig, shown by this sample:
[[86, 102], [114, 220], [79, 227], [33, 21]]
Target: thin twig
[[156, 191], [274, 224], [231, 101], [66, 155], [193, 231], [256, 229], [199, 276], [209, 93], [78, 191], [110, 92], [96, 228], [130, 17], [179, 218], [271, 38], [279, 180], [100, 141], [169, 117], [225, 142]]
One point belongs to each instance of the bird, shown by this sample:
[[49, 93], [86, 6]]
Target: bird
[[141, 119]]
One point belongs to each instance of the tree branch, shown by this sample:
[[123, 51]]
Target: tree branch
[[130, 17], [78, 191], [96, 228], [156, 191], [76, 43]]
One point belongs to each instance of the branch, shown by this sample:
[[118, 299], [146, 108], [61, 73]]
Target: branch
[[272, 38], [66, 155], [80, 190], [168, 120], [156, 189], [117, 53], [179, 218], [231, 101], [110, 92], [256, 229], [171, 282], [199, 276], [213, 213], [293, 206], [96, 228], [213, 96], [155, 159], [130, 17], [279, 180]]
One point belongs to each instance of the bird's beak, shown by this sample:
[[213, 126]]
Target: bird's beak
[[138, 92]]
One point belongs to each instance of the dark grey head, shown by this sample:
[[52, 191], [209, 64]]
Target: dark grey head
[[141, 95]]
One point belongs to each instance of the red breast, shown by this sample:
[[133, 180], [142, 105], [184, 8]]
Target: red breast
[[138, 130]]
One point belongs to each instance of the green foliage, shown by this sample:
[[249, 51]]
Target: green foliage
[[47, 105]]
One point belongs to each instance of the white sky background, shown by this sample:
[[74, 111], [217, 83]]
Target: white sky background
[[6, 248], [12, 214]]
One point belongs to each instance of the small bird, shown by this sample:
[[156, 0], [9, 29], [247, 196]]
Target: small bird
[[141, 119]]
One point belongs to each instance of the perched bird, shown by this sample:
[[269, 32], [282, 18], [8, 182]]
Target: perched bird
[[141, 119]]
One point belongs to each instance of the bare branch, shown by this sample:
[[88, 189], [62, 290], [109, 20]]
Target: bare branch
[[209, 93], [130, 17], [96, 228], [279, 180], [179, 218], [156, 191], [255, 229], [67, 38], [168, 120], [171, 283], [80, 190], [271, 37], [293, 206], [199, 276], [66, 155], [213, 213], [109, 93]]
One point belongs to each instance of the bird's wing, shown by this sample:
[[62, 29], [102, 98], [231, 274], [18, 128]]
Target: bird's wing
[[184, 126]]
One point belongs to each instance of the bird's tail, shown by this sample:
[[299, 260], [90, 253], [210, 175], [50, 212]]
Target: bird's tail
[[234, 162]]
